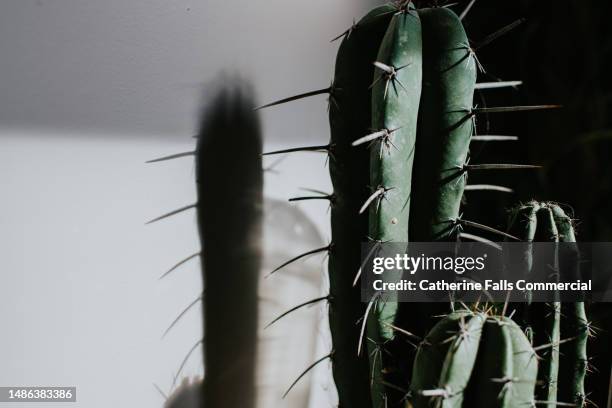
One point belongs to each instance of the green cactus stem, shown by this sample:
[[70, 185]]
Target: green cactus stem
[[564, 362], [350, 119], [547, 222], [494, 369], [524, 367], [574, 358], [445, 360], [402, 119], [546, 318], [395, 106], [523, 224], [443, 139], [445, 129], [472, 359]]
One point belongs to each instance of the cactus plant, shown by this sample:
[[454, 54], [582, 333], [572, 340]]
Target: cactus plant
[[564, 326], [402, 119], [474, 359], [507, 370], [404, 84]]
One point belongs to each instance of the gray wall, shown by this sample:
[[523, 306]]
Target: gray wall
[[138, 66]]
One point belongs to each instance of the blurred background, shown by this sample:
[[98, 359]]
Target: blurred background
[[90, 90]]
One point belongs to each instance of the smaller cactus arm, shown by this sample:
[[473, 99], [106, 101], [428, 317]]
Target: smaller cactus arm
[[575, 325], [548, 222], [460, 360], [524, 367], [564, 224], [523, 223], [490, 385], [431, 360], [475, 360], [547, 328], [574, 360]]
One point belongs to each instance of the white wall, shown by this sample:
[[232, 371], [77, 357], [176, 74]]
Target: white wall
[[80, 299]]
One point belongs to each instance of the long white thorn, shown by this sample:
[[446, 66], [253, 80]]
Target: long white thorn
[[498, 84], [363, 264], [364, 323], [488, 187], [370, 137], [466, 10], [482, 240], [384, 67], [379, 192], [493, 138]]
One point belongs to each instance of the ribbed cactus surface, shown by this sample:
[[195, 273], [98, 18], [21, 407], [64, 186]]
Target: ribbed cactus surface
[[474, 359], [402, 118], [561, 328]]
